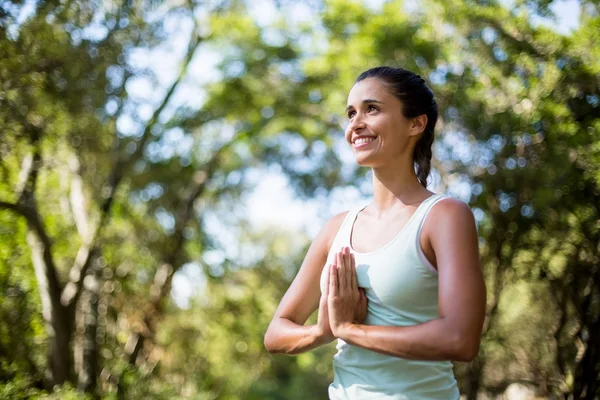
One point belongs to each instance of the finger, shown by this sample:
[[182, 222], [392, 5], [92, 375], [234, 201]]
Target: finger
[[349, 272], [327, 279], [333, 290], [341, 269], [354, 277], [323, 303], [346, 282]]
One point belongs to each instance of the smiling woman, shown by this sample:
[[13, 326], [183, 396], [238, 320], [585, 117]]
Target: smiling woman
[[393, 97], [397, 281]]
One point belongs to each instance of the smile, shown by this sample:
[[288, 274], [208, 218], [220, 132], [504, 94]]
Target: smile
[[363, 141]]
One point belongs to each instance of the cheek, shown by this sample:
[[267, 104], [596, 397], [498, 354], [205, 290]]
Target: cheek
[[393, 132], [348, 135]]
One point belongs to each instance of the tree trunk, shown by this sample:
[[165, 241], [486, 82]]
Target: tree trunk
[[587, 370], [86, 346], [55, 315]]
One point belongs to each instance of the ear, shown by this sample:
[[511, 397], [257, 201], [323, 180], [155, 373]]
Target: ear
[[418, 124]]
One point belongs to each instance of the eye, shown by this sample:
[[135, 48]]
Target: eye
[[351, 114], [371, 108]]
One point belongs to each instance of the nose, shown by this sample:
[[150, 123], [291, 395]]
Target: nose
[[357, 123]]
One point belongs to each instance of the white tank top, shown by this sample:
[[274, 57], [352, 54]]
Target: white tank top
[[402, 288]]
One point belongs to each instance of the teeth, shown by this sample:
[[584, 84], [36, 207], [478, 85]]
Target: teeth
[[363, 140]]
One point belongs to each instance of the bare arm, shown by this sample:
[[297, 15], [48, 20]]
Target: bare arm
[[456, 334], [286, 332]]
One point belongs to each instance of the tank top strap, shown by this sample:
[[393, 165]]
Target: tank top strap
[[424, 209], [342, 237], [418, 227]]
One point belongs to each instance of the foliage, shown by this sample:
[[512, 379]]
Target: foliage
[[116, 181]]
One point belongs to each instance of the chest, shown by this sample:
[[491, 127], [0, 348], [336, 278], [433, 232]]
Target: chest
[[394, 279], [369, 234]]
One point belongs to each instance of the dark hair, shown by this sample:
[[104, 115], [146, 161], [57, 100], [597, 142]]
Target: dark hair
[[416, 99]]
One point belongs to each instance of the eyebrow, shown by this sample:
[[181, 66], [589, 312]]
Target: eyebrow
[[366, 101]]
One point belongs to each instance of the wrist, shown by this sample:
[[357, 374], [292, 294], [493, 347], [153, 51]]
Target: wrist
[[343, 330], [320, 335]]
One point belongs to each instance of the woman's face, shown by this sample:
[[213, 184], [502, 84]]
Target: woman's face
[[377, 131]]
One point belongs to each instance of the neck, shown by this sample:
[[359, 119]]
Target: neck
[[396, 184]]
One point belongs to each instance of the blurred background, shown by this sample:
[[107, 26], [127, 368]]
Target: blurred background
[[165, 164]]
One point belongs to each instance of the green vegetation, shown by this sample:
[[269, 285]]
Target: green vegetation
[[114, 173]]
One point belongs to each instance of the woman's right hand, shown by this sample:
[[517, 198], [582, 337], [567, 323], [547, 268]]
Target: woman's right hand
[[360, 310], [323, 314]]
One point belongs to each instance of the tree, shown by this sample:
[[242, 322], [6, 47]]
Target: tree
[[107, 195], [72, 114], [537, 94], [519, 107]]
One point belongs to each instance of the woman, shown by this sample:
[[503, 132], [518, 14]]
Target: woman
[[397, 282]]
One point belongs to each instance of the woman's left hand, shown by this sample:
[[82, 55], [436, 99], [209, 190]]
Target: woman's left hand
[[345, 303]]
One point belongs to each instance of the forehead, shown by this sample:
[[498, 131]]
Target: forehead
[[370, 88]]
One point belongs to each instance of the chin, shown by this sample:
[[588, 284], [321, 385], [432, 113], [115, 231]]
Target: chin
[[364, 161]]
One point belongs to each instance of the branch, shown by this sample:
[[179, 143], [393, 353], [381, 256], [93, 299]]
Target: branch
[[164, 275], [24, 174], [58, 328], [73, 288], [12, 207], [514, 36], [33, 220], [77, 201], [38, 239]]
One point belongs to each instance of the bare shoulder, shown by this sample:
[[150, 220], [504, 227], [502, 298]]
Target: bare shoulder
[[448, 219], [451, 231], [331, 228], [336, 221], [319, 248], [453, 211]]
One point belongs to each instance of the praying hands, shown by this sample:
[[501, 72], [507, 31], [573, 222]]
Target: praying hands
[[342, 302]]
